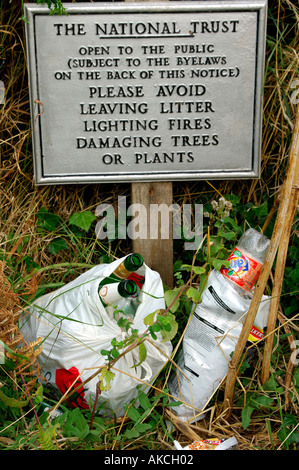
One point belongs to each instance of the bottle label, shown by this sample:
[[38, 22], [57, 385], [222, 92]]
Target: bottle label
[[256, 334], [121, 271], [137, 278], [109, 293], [243, 270]]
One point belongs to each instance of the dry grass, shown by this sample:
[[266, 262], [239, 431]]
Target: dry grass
[[20, 199]]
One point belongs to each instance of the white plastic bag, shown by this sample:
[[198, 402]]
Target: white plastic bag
[[75, 327]]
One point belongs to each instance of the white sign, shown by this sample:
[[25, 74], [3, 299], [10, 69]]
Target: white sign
[[146, 92]]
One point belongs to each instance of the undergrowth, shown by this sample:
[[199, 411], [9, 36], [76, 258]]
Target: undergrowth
[[47, 238]]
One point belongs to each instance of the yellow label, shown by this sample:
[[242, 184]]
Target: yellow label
[[121, 271]]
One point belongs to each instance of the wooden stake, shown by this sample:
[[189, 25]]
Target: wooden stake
[[278, 280], [157, 252], [271, 253]]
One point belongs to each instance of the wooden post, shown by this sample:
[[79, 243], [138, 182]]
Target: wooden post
[[271, 253], [157, 253]]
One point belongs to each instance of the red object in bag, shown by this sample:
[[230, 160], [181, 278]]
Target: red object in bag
[[65, 382]]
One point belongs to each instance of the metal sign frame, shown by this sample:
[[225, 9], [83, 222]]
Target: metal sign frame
[[62, 152]]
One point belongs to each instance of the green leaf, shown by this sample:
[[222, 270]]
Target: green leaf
[[270, 385], [13, 402], [142, 354], [262, 210], [227, 235], [133, 414], [169, 296], [105, 352], [45, 437], [262, 401], [218, 263], [149, 320], [216, 245], [76, 425], [47, 220], [169, 333], [193, 294], [231, 222], [131, 433], [195, 269], [105, 378], [171, 404], [144, 401], [153, 335], [143, 427], [156, 327], [115, 353], [38, 395], [83, 220], [246, 415], [255, 402], [57, 245]]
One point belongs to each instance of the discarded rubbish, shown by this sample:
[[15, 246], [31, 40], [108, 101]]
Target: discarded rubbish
[[215, 326], [210, 444], [119, 295], [76, 327], [246, 260]]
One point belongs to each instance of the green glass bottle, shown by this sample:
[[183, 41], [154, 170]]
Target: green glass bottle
[[111, 293], [130, 264], [127, 269]]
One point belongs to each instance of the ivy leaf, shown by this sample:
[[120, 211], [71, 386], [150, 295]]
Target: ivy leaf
[[218, 263], [227, 235], [47, 220], [83, 220], [57, 245]]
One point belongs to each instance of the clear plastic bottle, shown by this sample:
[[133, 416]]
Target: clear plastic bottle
[[246, 261], [214, 328]]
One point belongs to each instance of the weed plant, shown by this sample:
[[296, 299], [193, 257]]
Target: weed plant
[[47, 238]]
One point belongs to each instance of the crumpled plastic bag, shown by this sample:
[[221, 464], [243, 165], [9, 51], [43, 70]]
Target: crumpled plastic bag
[[75, 327], [209, 341]]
